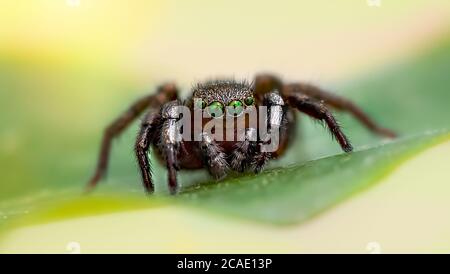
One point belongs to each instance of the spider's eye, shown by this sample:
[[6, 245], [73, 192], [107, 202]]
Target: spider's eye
[[215, 109], [249, 101], [235, 108]]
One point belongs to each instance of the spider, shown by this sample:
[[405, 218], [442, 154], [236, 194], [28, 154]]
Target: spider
[[221, 157]]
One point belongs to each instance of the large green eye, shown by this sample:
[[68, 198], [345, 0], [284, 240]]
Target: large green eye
[[249, 101], [235, 108], [215, 109]]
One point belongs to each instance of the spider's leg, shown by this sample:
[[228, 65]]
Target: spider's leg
[[146, 136], [213, 156], [320, 112], [339, 103], [275, 120], [170, 141], [265, 83], [245, 151], [165, 93]]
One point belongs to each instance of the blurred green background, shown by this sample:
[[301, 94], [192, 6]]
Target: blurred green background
[[68, 68]]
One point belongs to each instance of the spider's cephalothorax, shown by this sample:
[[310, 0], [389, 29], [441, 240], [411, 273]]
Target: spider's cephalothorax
[[224, 91], [267, 94]]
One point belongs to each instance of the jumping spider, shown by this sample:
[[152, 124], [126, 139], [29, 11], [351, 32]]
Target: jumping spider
[[219, 157]]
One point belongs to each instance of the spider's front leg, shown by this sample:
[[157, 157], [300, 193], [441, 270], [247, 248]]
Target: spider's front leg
[[170, 141], [275, 120]]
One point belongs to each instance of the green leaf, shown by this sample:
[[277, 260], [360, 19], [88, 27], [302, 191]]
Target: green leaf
[[296, 193], [173, 226]]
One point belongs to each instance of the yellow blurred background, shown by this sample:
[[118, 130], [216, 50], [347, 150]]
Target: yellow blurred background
[[186, 40]]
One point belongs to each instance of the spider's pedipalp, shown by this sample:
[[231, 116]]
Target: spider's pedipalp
[[245, 151], [213, 157]]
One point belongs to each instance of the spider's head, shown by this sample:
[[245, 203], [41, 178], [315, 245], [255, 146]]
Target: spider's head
[[219, 97]]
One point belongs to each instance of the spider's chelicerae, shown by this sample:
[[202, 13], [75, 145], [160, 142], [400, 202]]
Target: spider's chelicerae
[[221, 156]]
